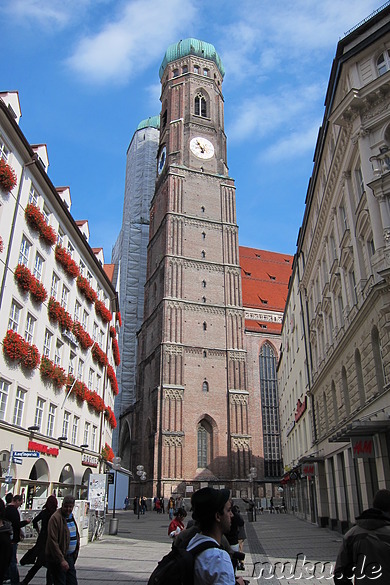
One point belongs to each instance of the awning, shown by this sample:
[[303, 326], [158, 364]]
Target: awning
[[359, 428]]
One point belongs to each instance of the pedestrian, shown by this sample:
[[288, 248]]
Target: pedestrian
[[162, 504], [143, 505], [63, 543], [241, 537], [12, 515], [177, 525], [171, 507], [271, 505], [157, 506], [37, 554], [364, 555], [5, 542], [212, 511], [126, 503]]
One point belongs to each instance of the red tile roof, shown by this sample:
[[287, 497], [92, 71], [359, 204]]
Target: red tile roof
[[265, 277], [109, 270]]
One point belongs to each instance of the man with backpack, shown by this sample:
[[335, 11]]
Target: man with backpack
[[212, 510]]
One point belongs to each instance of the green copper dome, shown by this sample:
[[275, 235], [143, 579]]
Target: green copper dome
[[151, 122], [191, 47]]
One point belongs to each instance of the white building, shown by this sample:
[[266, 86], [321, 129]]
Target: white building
[[50, 279], [343, 264]]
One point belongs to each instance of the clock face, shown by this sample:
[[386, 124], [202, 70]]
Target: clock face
[[161, 159], [201, 147]]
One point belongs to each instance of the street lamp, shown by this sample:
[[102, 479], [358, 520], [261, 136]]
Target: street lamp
[[113, 528], [142, 476]]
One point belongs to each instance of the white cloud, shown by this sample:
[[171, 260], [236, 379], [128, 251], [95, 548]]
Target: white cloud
[[46, 13], [292, 145], [132, 41]]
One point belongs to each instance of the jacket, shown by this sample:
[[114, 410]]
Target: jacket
[[5, 547], [11, 514], [365, 552], [58, 539]]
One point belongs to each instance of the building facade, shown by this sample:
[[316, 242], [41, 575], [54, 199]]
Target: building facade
[[341, 289], [129, 255], [58, 329]]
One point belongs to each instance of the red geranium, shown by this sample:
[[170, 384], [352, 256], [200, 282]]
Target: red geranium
[[112, 332], [58, 314], [98, 355], [28, 282], [107, 453], [17, 348], [52, 372], [8, 177], [113, 381], [115, 351], [36, 220], [102, 311], [66, 261], [95, 401], [87, 290], [119, 318], [82, 336], [111, 417]]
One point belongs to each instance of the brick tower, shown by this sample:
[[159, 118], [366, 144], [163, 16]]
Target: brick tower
[[191, 425]]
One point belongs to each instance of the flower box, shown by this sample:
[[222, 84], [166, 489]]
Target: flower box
[[17, 348], [110, 416], [107, 453], [115, 351], [58, 314], [68, 264], [119, 318], [8, 177], [112, 332], [102, 311], [52, 372], [86, 289], [28, 282], [113, 381], [82, 336], [99, 356], [95, 401], [36, 221]]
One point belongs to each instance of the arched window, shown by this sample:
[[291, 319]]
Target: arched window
[[204, 326], [270, 411], [344, 384], [205, 385], [334, 400], [203, 254], [204, 444], [383, 62], [359, 377], [200, 105], [204, 283], [377, 351]]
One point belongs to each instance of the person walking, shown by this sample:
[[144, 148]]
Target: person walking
[[5, 542], [171, 507], [177, 524], [212, 510], [37, 553], [12, 515], [364, 555], [63, 543]]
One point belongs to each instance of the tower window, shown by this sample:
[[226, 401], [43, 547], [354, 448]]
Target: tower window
[[206, 72], [200, 105], [383, 63], [175, 72], [204, 283], [204, 235], [203, 299], [184, 69], [203, 254], [196, 69], [205, 356], [202, 209], [205, 385], [204, 326], [164, 120]]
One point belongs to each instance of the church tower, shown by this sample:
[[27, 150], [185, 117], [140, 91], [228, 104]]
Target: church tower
[[192, 412]]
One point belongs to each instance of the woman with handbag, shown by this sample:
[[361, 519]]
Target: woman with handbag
[[36, 554]]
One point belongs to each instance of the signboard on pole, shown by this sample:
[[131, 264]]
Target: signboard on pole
[[17, 460], [29, 454], [97, 491]]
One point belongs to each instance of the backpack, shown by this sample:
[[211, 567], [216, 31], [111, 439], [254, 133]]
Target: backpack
[[177, 567]]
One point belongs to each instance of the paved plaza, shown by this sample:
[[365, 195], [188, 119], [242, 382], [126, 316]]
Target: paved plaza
[[275, 549]]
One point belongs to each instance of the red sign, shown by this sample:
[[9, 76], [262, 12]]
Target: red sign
[[33, 446], [308, 470], [362, 447], [301, 408]]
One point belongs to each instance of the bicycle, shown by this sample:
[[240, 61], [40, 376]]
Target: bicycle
[[99, 526]]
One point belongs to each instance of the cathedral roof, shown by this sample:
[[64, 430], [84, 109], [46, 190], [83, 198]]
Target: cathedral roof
[[265, 277], [151, 122], [191, 47]]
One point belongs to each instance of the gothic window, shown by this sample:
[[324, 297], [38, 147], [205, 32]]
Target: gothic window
[[203, 254], [202, 209], [196, 69], [205, 356], [206, 72], [204, 235], [270, 410], [203, 299], [205, 385], [204, 326], [204, 283], [175, 72], [204, 444], [200, 105], [383, 62], [184, 69]]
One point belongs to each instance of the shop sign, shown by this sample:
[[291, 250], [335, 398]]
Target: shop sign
[[45, 449], [362, 447], [89, 460], [307, 470], [301, 408], [189, 488]]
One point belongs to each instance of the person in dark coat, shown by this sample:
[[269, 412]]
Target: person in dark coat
[[12, 515], [5, 542], [364, 555], [37, 553]]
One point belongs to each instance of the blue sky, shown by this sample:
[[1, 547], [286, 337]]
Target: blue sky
[[87, 74]]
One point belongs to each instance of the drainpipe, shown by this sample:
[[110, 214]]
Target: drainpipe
[[11, 237]]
